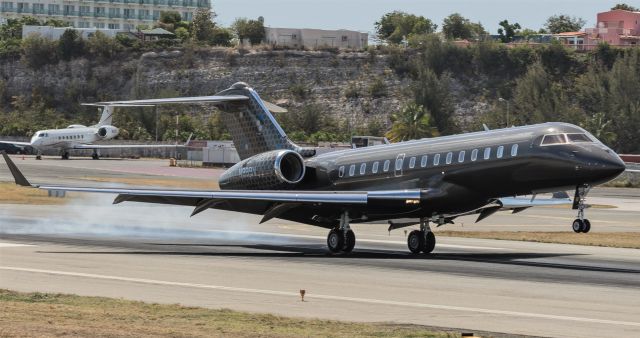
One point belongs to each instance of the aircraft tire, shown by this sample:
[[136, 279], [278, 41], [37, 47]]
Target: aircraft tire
[[349, 241], [577, 225], [415, 241], [335, 241], [430, 242], [587, 226]]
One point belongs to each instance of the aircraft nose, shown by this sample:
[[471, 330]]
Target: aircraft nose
[[607, 165]]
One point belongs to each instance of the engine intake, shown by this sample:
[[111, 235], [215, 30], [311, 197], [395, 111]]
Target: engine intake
[[278, 169], [107, 132]]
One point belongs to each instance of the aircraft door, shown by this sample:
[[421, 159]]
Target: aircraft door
[[398, 165]]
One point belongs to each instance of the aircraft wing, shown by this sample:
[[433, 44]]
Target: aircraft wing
[[193, 197], [179, 100], [20, 144], [125, 146]]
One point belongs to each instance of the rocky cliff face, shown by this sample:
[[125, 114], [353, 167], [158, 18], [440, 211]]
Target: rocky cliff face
[[340, 83]]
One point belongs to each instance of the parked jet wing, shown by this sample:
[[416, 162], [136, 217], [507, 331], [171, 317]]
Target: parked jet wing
[[21, 144], [215, 99]]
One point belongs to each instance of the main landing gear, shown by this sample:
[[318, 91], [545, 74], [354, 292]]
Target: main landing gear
[[581, 224], [95, 155], [422, 240], [341, 239], [65, 155]]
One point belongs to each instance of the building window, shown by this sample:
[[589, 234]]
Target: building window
[[374, 168], [461, 156], [500, 152], [114, 26], [423, 161], [436, 159], [514, 150], [99, 25], [363, 168], [345, 38], [352, 170], [412, 163], [385, 168], [487, 153], [341, 171], [474, 155], [449, 157]]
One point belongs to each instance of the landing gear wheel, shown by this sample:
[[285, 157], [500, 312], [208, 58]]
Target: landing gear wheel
[[587, 226], [415, 241], [578, 225], [349, 241], [95, 156], [38, 157], [430, 242], [65, 155], [335, 241]]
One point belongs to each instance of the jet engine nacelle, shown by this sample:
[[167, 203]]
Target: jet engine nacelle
[[107, 132], [277, 169]]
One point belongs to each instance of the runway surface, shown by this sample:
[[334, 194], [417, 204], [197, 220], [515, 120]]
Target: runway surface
[[225, 260]]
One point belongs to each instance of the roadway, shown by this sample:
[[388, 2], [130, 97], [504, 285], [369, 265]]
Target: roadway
[[225, 260]]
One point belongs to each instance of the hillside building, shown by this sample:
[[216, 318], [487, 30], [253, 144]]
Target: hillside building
[[618, 28], [111, 14], [315, 38]]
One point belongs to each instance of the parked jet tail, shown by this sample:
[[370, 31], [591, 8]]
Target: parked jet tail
[[253, 128]]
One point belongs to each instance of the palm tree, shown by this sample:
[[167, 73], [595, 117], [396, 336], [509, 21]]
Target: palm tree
[[413, 121]]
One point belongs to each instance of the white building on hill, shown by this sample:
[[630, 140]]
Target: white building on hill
[[112, 14], [316, 38]]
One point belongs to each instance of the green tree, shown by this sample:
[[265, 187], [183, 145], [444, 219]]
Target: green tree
[[625, 7], [169, 20], [249, 30], [395, 26], [455, 26], [563, 23], [101, 45], [412, 122], [433, 93], [70, 45], [13, 28], [221, 37], [202, 25], [182, 33], [508, 31], [38, 51]]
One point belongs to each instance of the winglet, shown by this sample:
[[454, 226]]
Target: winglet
[[17, 175]]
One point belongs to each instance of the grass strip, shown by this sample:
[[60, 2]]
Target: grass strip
[[48, 315], [606, 239]]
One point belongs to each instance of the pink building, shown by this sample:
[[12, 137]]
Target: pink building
[[617, 27]]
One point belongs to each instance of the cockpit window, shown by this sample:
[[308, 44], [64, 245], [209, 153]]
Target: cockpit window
[[578, 138], [553, 139]]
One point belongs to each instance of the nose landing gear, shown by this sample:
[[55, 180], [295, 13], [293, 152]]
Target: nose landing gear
[[581, 224]]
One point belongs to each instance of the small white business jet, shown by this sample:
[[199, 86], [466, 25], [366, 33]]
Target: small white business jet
[[79, 137]]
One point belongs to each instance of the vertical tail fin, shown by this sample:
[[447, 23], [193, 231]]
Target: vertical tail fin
[[107, 116], [253, 128]]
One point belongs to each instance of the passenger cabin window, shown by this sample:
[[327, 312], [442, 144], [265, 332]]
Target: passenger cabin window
[[514, 150], [423, 161], [412, 163], [385, 168], [352, 170], [553, 139], [449, 158], [487, 153], [341, 171], [500, 152], [436, 159], [578, 138], [374, 168], [399, 163], [363, 168], [474, 155], [461, 156]]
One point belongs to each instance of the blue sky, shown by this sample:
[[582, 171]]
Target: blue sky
[[361, 14]]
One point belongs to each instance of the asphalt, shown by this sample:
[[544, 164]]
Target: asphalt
[[226, 260]]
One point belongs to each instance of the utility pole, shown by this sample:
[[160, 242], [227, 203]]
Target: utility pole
[[507, 101], [155, 110]]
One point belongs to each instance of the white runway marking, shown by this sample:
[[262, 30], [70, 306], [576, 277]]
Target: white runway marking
[[12, 245], [328, 297]]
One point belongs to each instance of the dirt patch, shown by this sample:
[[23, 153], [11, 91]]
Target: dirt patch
[[48, 315], [607, 239], [15, 194]]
